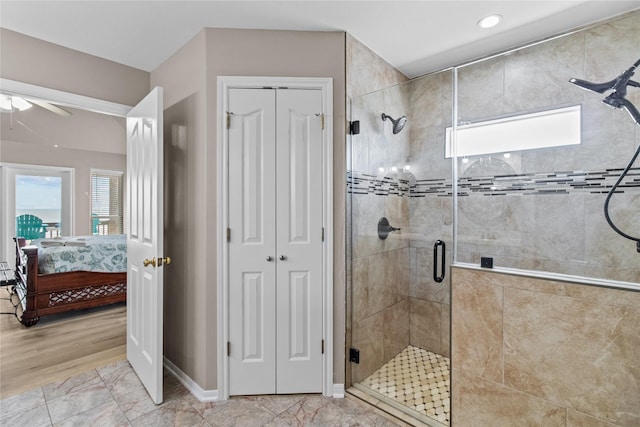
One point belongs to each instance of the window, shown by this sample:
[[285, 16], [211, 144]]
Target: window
[[106, 202], [42, 191], [40, 196], [551, 128]]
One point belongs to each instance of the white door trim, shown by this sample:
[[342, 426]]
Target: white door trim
[[326, 86]]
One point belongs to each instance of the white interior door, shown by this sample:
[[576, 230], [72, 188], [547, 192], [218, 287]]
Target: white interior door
[[145, 242], [275, 246], [252, 323], [299, 241]]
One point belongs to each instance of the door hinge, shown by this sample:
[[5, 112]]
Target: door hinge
[[322, 346], [321, 115], [228, 348], [323, 234], [354, 127], [354, 355], [228, 234], [229, 114]]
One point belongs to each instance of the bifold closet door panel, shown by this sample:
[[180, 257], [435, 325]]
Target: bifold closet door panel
[[299, 240], [252, 221]]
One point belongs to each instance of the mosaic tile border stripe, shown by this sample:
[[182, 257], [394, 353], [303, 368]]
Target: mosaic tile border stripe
[[594, 182]]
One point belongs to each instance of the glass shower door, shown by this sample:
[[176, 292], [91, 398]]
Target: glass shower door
[[399, 290]]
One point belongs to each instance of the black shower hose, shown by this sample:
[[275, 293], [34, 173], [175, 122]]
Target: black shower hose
[[613, 190]]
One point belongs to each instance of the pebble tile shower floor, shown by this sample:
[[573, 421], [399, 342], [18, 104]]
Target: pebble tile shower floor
[[418, 380]]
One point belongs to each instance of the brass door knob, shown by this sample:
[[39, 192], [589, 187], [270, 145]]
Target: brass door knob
[[167, 260], [148, 262]]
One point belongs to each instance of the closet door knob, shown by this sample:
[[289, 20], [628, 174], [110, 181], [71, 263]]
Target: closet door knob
[[283, 258], [269, 258]]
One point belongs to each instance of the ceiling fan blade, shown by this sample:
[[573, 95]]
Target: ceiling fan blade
[[30, 130], [53, 108]]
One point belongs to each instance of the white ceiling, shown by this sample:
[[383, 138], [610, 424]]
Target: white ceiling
[[416, 37]]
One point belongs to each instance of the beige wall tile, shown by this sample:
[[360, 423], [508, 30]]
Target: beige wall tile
[[476, 319], [383, 288], [577, 353], [366, 71], [360, 293], [477, 402], [403, 272], [426, 325], [556, 287], [578, 419], [396, 329], [368, 337], [445, 348], [424, 287]]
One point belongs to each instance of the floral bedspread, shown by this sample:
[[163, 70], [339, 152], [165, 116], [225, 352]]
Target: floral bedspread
[[107, 254]]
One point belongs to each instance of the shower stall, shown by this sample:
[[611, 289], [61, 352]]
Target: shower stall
[[516, 183], [399, 311]]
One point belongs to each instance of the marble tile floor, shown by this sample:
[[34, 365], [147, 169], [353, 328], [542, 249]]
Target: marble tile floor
[[113, 396], [415, 379]]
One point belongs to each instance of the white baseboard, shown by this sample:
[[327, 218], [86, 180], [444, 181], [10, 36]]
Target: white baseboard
[[199, 393], [212, 395]]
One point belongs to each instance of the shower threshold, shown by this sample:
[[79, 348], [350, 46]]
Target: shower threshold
[[415, 382]]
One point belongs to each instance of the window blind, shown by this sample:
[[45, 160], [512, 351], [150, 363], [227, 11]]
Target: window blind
[[106, 202]]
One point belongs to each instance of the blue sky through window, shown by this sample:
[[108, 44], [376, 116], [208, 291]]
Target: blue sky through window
[[40, 196]]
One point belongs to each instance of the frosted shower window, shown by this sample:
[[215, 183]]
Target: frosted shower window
[[551, 128]]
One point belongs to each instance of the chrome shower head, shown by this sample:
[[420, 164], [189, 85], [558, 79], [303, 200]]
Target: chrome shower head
[[398, 124]]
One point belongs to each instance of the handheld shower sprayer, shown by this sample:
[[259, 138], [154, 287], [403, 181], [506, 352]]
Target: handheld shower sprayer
[[617, 99], [618, 86], [398, 124]]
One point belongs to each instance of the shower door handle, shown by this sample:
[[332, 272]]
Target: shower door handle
[[436, 277]]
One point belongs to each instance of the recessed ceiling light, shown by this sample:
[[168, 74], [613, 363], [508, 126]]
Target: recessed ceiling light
[[490, 21]]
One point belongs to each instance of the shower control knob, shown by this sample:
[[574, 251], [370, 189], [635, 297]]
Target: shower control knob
[[283, 258]]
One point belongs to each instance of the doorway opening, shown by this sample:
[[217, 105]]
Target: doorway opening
[[29, 169]]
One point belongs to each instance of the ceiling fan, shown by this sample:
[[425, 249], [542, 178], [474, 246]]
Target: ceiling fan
[[13, 103]]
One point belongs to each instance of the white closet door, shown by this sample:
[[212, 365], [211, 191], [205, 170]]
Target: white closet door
[[299, 241], [252, 194], [275, 250]]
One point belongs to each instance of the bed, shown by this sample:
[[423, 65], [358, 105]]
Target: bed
[[72, 273]]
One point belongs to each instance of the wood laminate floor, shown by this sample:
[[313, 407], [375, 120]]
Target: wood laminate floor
[[59, 346]]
